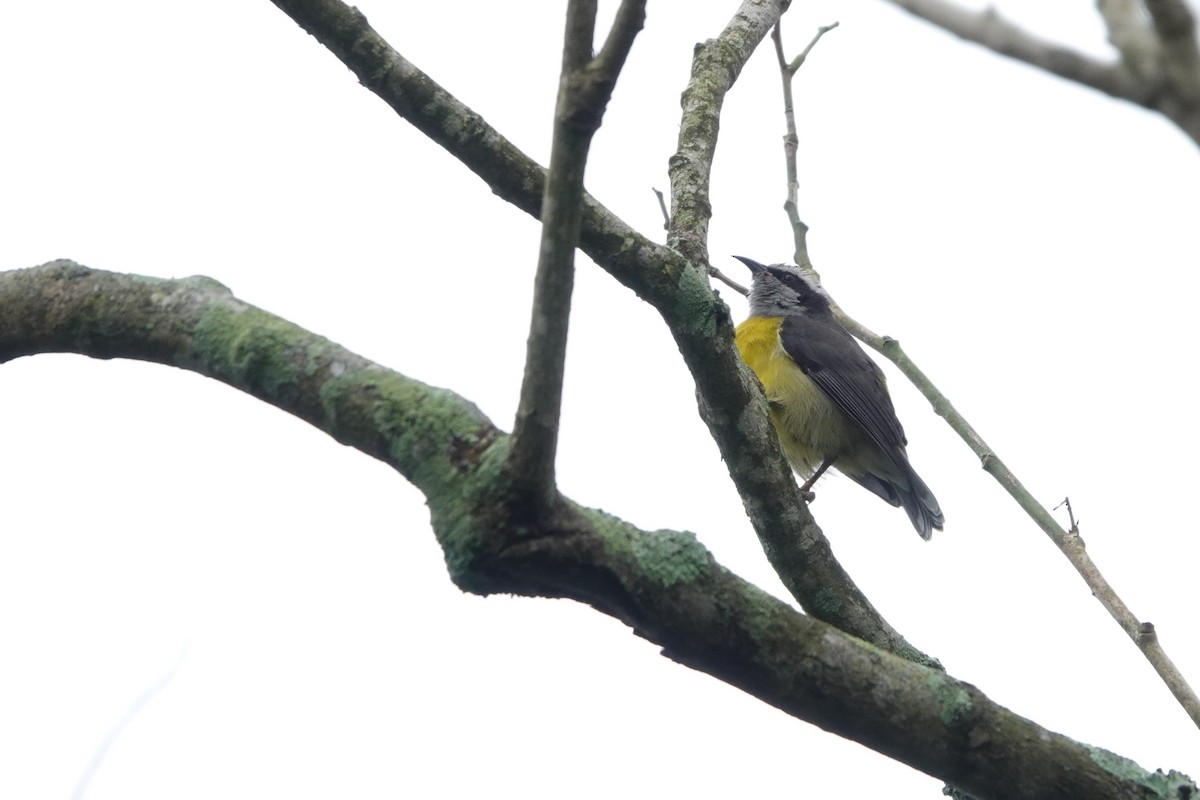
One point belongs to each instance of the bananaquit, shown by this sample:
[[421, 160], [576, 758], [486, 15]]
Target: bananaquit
[[829, 401]]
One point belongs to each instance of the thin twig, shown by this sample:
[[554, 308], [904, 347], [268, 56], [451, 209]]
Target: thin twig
[[728, 281], [1069, 543], [791, 143], [585, 87], [662, 205], [799, 60]]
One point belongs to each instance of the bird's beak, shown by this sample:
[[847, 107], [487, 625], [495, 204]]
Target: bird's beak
[[754, 266]]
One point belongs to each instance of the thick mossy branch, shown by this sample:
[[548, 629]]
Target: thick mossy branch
[[664, 584]]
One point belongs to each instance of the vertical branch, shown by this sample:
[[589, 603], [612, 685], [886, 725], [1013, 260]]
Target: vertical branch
[[716, 65], [584, 89], [1175, 29], [791, 142]]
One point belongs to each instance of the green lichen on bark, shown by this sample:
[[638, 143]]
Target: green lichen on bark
[[1162, 784], [954, 701], [670, 557], [430, 435], [696, 306], [252, 349], [827, 601]]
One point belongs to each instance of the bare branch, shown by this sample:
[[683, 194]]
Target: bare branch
[[664, 585], [1129, 33], [791, 143], [585, 87], [631, 16], [718, 275], [1175, 26], [1159, 69], [989, 29], [799, 60], [716, 65], [662, 206]]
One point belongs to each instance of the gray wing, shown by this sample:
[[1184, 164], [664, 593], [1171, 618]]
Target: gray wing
[[828, 354], [833, 360]]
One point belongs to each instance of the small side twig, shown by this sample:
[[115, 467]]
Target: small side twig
[[662, 206], [728, 281], [1070, 514], [713, 272]]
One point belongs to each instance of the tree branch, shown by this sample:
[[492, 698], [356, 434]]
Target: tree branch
[[1175, 27], [791, 142], [1127, 32], [728, 396], [989, 29], [1159, 72], [664, 584], [716, 65], [585, 86]]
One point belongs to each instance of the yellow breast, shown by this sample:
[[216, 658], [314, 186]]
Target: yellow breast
[[810, 426]]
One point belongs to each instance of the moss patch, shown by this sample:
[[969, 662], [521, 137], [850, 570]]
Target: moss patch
[[671, 557], [953, 699]]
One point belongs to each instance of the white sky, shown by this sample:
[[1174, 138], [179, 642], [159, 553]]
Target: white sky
[[1028, 241]]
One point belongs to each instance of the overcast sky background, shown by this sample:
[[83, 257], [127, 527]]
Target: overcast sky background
[[1031, 243]]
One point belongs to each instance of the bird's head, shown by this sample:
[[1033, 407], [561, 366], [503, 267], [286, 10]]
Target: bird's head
[[781, 289]]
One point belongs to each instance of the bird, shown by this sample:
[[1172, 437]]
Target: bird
[[829, 401]]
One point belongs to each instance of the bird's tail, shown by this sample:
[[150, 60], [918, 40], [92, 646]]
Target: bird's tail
[[921, 505]]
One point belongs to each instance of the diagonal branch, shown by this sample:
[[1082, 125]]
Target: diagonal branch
[[664, 585], [1158, 70], [991, 30], [729, 398], [585, 86]]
